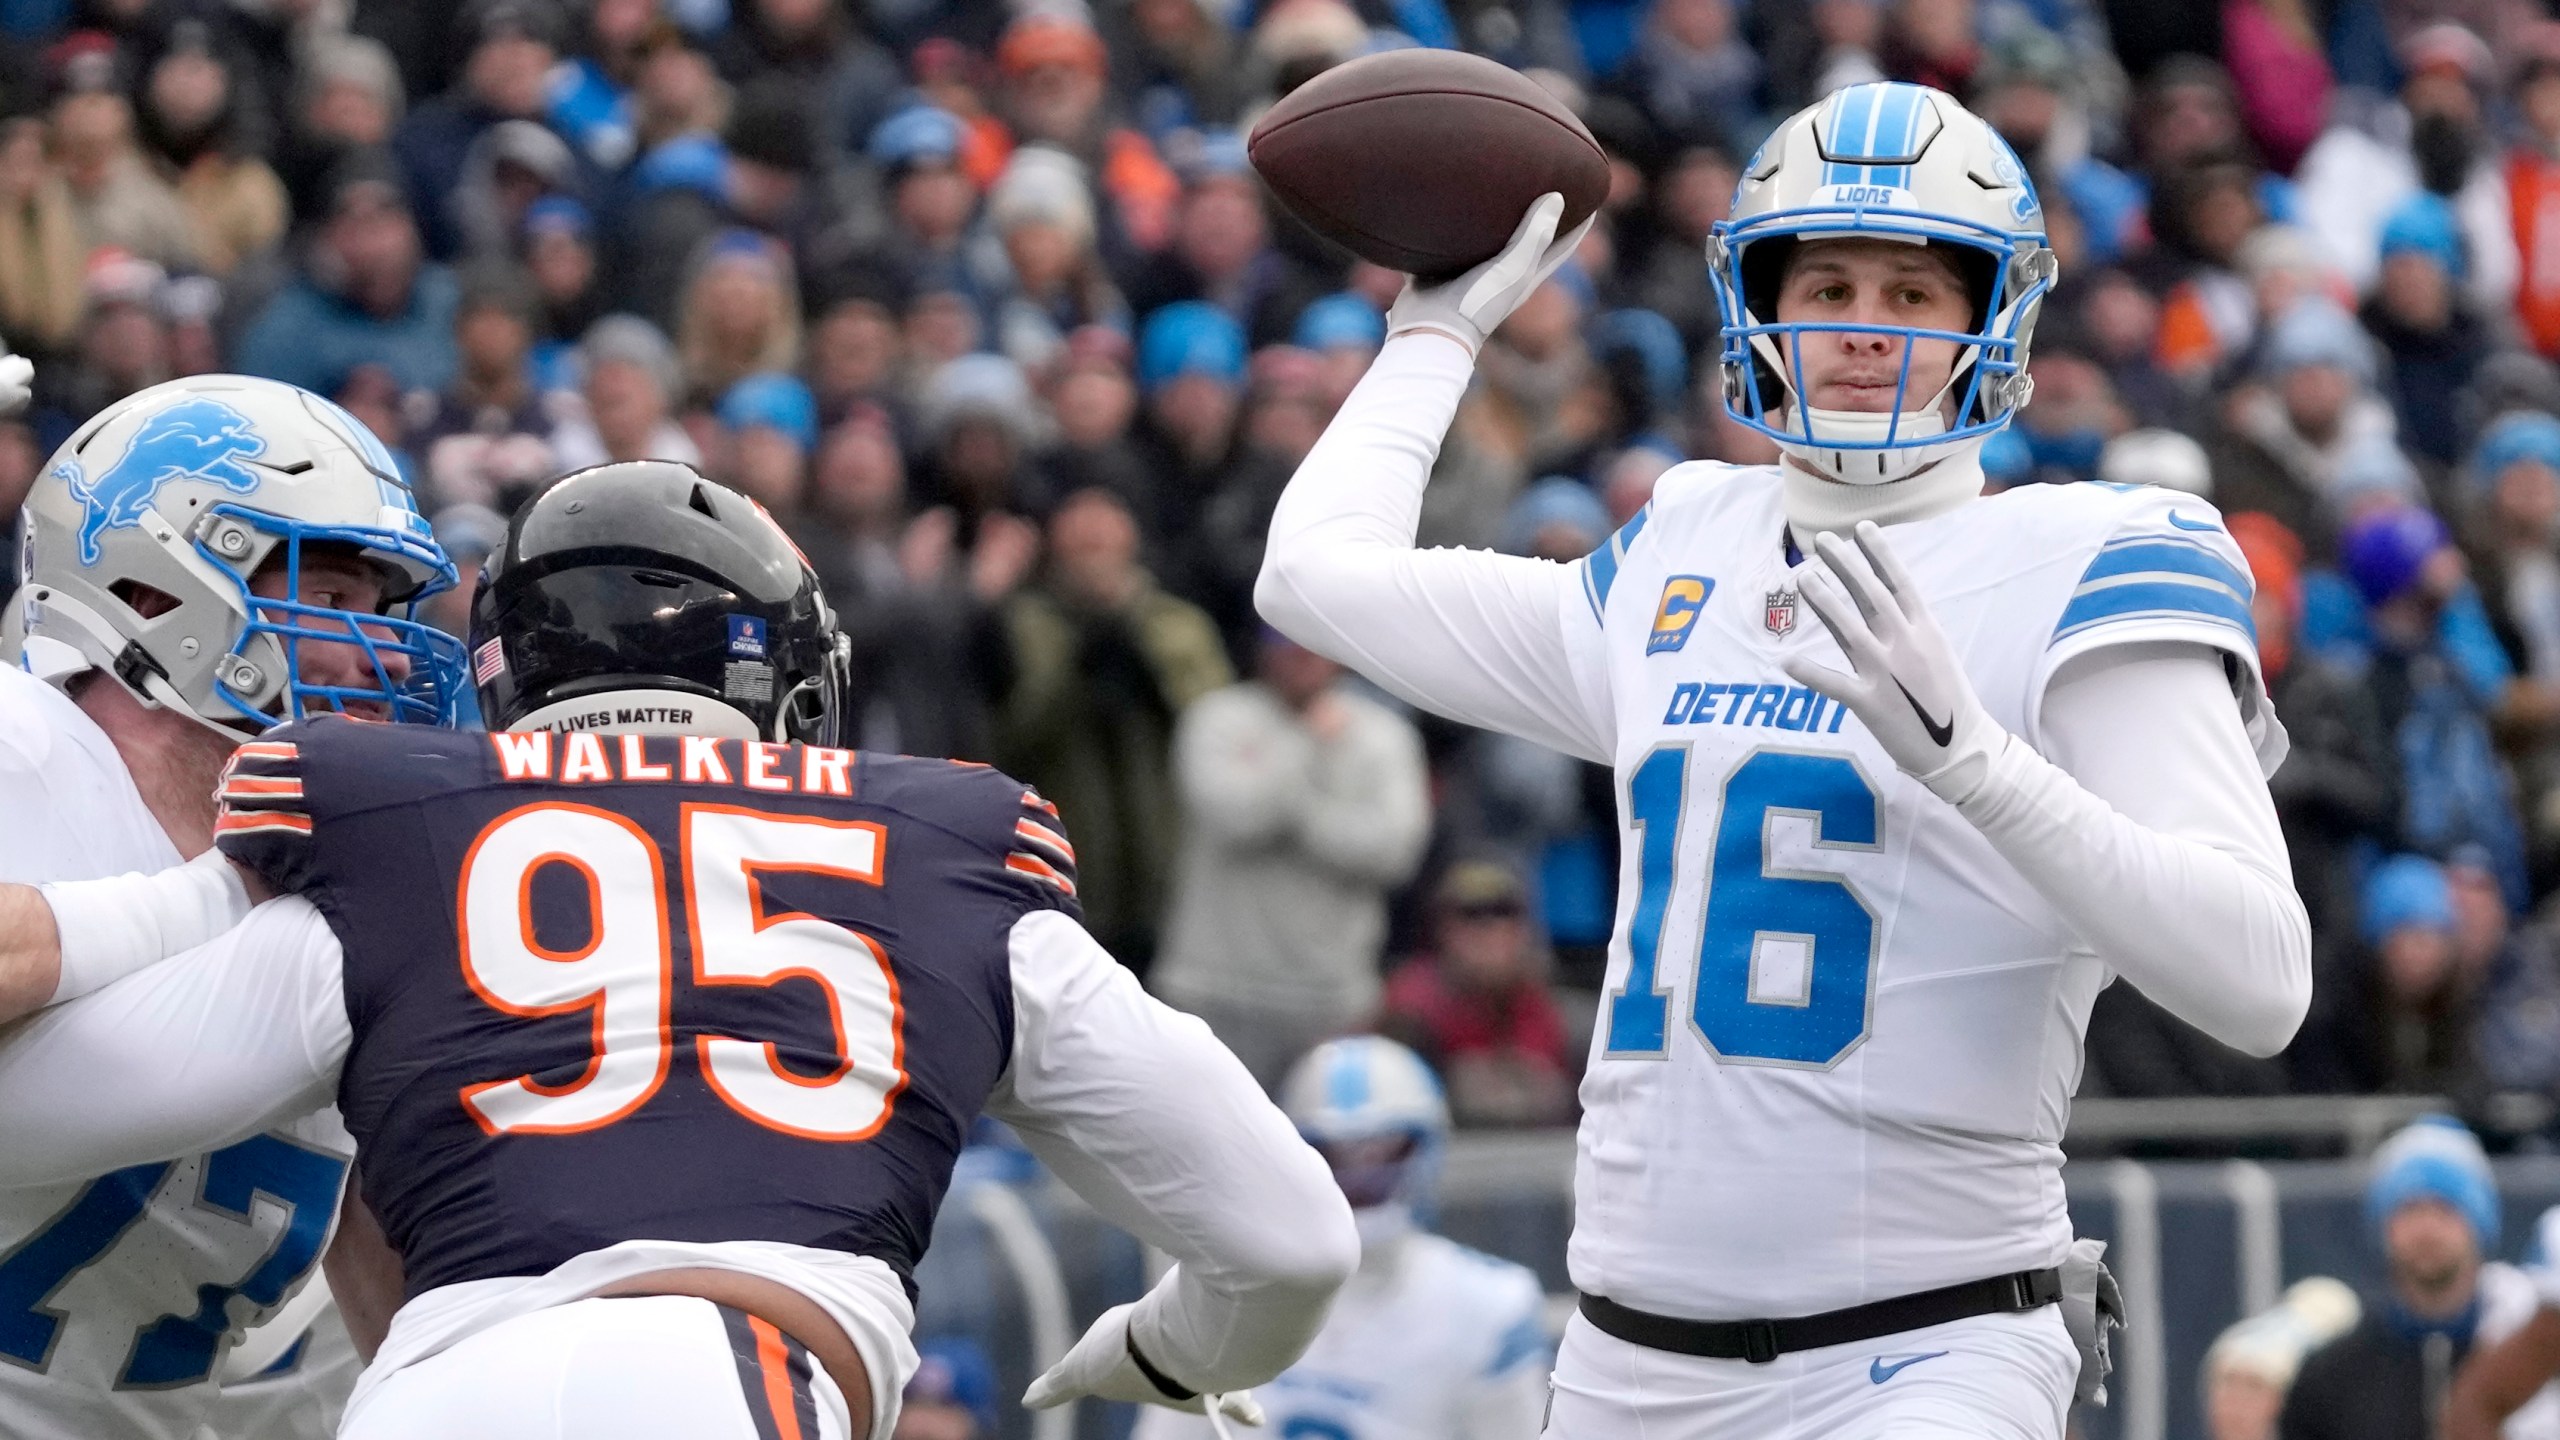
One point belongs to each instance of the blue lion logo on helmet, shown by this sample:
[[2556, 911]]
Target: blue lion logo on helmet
[[196, 438]]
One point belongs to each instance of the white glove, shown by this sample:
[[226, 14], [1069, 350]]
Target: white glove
[[1104, 1366], [1905, 685], [1475, 304], [17, 383]]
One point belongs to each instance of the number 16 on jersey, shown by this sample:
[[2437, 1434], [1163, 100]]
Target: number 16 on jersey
[[1786, 958]]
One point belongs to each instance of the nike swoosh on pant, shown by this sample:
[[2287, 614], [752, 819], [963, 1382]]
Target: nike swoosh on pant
[[1939, 732], [1880, 1372]]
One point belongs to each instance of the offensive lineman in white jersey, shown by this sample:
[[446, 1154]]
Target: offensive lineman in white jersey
[[1863, 915], [1428, 1340], [184, 557]]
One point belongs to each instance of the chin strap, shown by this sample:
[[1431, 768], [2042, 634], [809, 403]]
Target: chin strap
[[1817, 506]]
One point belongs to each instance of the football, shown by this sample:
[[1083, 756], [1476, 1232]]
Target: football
[[1425, 160]]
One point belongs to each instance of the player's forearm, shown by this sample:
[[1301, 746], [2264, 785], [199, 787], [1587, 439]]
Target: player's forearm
[[2158, 845], [1143, 1113], [96, 932]]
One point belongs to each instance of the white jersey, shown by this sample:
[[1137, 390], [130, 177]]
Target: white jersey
[[1841, 1033], [118, 1296], [1434, 1342]]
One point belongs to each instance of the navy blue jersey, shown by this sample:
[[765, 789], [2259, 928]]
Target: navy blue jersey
[[607, 988]]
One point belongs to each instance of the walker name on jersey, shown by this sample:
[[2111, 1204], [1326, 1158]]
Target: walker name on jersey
[[1776, 707]]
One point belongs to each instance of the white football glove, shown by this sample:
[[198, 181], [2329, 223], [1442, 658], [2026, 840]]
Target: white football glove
[[17, 383], [1905, 684], [1104, 1365], [1475, 304]]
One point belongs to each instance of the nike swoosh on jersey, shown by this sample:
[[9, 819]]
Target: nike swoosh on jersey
[[1880, 1372], [1940, 732], [2183, 523]]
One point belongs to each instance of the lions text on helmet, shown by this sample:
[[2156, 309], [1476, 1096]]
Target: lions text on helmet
[[240, 551]]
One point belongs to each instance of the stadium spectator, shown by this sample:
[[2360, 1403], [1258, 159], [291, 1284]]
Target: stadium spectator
[[42, 249], [202, 131], [2401, 1021], [347, 98], [1105, 662], [505, 76], [116, 196], [486, 439], [2433, 1213], [931, 197], [2533, 187], [1303, 805], [770, 426], [2432, 1209], [740, 314], [842, 81], [1046, 278], [2426, 325], [364, 295], [2281, 440], [1191, 370], [558, 252], [632, 380], [1477, 1007], [1055, 93], [979, 422]]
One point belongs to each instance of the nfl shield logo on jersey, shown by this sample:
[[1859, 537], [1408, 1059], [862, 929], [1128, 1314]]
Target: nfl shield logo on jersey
[[1778, 612]]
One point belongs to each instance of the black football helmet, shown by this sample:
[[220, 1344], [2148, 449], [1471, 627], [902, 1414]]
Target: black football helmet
[[641, 597]]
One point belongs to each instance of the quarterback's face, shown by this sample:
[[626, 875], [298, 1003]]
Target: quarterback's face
[[1870, 282]]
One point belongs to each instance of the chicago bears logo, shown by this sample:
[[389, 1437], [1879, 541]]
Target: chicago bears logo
[[197, 438]]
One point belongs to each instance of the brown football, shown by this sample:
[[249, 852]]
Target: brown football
[[1425, 160]]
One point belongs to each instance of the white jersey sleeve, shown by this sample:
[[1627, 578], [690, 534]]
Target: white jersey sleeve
[[210, 1047], [1501, 641], [1144, 1114]]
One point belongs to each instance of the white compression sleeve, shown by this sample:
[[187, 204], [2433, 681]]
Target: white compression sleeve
[[1139, 1109], [1475, 636], [216, 1045], [2151, 831], [115, 926]]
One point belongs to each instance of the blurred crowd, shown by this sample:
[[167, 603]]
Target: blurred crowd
[[981, 299]]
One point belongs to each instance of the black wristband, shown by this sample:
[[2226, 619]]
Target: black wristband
[[1156, 1377]]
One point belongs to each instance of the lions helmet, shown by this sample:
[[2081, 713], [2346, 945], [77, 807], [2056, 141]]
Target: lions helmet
[[642, 598], [1375, 1112], [1890, 161], [139, 544]]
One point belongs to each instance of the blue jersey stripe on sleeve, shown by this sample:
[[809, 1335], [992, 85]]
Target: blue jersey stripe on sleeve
[[1600, 567], [2179, 557], [2151, 597]]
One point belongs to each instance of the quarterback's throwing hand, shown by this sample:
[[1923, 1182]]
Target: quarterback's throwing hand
[[1105, 1365], [1474, 305], [1904, 683]]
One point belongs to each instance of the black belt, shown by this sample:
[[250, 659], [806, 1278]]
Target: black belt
[[1761, 1341]]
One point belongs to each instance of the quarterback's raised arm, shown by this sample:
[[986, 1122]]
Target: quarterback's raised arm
[[61, 941], [1473, 635], [217, 1044], [1151, 1120]]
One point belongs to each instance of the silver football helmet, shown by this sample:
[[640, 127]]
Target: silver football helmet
[[182, 493]]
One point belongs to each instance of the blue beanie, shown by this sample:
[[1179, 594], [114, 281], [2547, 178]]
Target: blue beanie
[[2424, 225], [2434, 1158], [775, 401], [2516, 436], [1342, 320], [919, 132], [1556, 500], [2383, 552], [2402, 891], [2313, 331], [1189, 337]]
